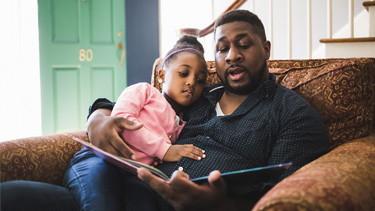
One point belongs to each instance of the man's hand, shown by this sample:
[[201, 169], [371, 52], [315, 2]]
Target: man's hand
[[183, 194], [104, 132], [175, 152]]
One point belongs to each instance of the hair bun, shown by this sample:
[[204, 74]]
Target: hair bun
[[187, 41]]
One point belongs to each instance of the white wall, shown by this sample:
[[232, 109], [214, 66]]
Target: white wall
[[20, 114], [177, 14]]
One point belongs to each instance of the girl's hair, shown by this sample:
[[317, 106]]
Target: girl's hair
[[185, 44]]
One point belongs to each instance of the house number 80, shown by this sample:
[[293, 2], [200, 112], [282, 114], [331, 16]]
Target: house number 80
[[85, 55]]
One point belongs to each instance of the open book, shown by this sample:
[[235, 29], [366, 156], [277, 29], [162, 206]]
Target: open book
[[127, 164], [252, 175]]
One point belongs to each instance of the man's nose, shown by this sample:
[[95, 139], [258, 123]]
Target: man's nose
[[234, 55]]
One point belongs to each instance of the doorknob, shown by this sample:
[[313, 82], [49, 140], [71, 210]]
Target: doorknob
[[121, 47]]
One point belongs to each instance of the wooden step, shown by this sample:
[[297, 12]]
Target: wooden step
[[341, 40]]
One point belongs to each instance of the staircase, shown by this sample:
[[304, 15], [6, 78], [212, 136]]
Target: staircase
[[289, 27], [363, 46]]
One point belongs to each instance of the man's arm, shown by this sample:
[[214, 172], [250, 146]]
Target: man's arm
[[104, 130], [183, 194], [302, 137]]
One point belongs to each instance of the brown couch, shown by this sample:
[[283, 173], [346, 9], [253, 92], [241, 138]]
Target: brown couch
[[341, 90]]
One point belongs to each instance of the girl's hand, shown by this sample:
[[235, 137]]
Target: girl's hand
[[175, 152]]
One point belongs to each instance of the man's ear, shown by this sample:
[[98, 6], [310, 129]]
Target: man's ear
[[161, 75], [267, 48]]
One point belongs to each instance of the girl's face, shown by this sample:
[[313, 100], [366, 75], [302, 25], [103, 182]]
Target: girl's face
[[184, 80]]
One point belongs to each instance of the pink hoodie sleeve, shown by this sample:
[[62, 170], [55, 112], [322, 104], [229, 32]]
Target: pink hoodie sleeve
[[129, 104]]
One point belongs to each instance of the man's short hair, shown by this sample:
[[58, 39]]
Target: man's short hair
[[242, 15]]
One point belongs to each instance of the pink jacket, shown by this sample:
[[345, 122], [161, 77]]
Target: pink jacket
[[145, 104]]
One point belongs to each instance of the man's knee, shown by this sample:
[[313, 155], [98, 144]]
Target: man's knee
[[94, 183], [28, 195]]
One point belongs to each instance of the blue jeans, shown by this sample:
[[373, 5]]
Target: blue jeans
[[27, 195], [98, 185]]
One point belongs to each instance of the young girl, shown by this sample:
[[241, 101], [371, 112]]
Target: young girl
[[183, 77]]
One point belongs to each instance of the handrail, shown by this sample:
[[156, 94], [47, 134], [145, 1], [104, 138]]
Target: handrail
[[368, 4], [354, 39], [209, 29]]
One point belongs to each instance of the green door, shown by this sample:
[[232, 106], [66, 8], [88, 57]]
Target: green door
[[82, 57]]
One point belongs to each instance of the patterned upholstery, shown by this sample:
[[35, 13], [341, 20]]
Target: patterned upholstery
[[343, 179], [341, 90], [41, 159]]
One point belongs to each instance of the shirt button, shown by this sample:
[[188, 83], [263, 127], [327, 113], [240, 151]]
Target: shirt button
[[169, 136], [180, 168]]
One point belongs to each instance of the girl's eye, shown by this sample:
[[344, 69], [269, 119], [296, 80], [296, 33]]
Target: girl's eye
[[182, 74]]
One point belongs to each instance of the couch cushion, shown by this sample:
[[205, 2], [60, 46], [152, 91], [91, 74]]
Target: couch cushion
[[41, 158], [341, 90], [343, 179]]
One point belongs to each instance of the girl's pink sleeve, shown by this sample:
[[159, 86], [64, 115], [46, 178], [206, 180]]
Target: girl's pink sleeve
[[129, 104]]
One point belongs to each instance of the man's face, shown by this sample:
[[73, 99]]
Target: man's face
[[241, 57]]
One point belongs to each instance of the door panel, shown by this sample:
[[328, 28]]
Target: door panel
[[79, 58], [101, 22], [66, 98], [64, 26], [102, 76]]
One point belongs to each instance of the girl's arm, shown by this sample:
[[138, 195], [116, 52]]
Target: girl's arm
[[131, 103], [103, 131]]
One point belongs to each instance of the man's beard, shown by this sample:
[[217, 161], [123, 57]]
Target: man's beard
[[255, 80]]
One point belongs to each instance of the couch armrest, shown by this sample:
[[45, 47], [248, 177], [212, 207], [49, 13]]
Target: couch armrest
[[42, 158], [343, 179]]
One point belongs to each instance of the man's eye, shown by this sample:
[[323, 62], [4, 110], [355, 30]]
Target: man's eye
[[244, 46], [222, 49], [201, 80]]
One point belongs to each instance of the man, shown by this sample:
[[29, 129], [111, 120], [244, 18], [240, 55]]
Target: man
[[245, 121]]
